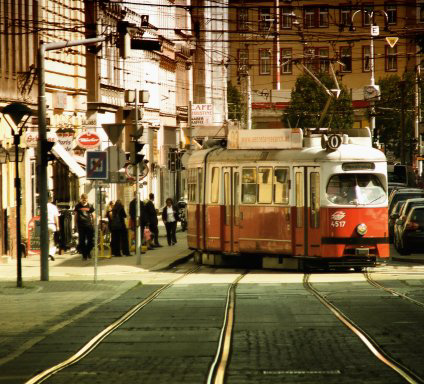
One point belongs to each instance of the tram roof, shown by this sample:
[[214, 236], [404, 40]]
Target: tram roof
[[346, 152]]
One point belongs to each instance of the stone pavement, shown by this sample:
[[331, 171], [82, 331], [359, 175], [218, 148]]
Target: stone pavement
[[39, 308]]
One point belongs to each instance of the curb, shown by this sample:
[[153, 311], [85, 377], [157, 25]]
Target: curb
[[408, 259]]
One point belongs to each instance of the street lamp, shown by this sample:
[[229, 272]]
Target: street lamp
[[3, 155], [372, 92], [14, 114]]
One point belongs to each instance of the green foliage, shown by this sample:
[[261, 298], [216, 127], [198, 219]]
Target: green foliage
[[308, 100], [235, 106], [389, 110]]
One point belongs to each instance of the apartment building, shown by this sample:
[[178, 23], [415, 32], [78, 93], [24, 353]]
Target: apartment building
[[271, 42]]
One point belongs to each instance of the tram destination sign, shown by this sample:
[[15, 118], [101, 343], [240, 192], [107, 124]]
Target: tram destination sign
[[265, 138]]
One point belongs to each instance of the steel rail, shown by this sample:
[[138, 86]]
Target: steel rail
[[219, 365], [369, 342], [392, 291], [96, 340]]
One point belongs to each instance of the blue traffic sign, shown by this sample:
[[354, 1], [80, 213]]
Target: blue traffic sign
[[97, 165]]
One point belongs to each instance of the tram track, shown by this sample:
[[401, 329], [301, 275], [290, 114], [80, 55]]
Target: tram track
[[96, 340], [394, 292], [366, 339]]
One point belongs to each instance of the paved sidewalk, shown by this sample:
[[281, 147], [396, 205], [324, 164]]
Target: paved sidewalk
[[39, 308]]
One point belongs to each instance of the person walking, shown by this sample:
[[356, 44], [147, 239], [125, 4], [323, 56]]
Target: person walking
[[170, 218], [143, 220], [85, 225], [53, 225], [119, 230], [152, 218]]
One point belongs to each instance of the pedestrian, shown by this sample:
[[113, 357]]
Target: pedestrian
[[53, 226], [119, 230], [85, 225], [108, 214], [143, 220], [152, 218], [170, 218]]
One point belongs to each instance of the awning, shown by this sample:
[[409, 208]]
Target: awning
[[62, 154]]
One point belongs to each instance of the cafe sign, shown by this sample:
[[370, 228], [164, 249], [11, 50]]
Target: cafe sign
[[88, 140]]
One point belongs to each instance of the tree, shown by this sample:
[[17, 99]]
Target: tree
[[397, 94], [235, 106], [308, 101]]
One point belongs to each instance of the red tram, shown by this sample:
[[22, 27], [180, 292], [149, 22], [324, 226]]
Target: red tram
[[309, 204]]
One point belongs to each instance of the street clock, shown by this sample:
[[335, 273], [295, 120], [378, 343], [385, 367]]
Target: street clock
[[372, 92]]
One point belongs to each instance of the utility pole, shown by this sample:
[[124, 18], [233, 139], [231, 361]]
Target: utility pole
[[277, 72], [137, 192], [249, 101], [417, 117], [402, 122], [190, 126], [42, 144]]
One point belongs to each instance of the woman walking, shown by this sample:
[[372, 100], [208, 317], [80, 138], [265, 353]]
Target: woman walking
[[170, 218], [119, 241]]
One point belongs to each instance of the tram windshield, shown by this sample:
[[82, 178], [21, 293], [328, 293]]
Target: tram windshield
[[355, 189]]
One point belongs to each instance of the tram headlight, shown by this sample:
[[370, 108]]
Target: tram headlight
[[361, 229]]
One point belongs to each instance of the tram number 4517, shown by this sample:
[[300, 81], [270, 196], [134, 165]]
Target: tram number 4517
[[338, 224]]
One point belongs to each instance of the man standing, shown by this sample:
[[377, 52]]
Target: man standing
[[85, 224], [152, 218], [53, 226], [133, 214]]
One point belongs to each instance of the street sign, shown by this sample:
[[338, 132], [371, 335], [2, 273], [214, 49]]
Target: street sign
[[392, 40], [113, 131], [375, 30], [97, 168]]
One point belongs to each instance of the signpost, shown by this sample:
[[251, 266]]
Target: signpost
[[97, 165]]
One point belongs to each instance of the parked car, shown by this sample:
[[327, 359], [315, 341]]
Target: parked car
[[411, 234], [403, 213], [404, 194], [394, 215]]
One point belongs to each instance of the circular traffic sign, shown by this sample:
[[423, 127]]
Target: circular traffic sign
[[88, 140], [130, 171]]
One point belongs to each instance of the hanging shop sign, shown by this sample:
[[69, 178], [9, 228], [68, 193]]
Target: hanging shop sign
[[88, 140], [65, 139], [201, 114], [31, 138]]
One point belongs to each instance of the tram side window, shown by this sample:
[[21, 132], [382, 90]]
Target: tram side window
[[215, 185], [265, 185], [192, 175], [299, 199], [200, 184], [281, 186], [315, 200], [248, 188]]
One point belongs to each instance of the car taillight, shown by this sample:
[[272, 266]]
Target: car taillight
[[412, 225]]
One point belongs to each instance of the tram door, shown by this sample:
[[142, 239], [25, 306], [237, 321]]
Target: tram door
[[307, 211], [231, 215]]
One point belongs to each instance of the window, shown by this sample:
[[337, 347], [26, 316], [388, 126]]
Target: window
[[264, 61], [243, 60], [286, 17], [215, 185], [200, 184], [192, 182], [420, 12], [281, 186], [346, 59], [227, 198], [315, 17], [299, 200], [286, 62], [323, 59], [265, 185], [366, 58], [315, 200], [391, 58], [355, 189], [391, 10], [264, 19], [242, 19], [345, 15], [248, 188], [367, 14], [317, 59]]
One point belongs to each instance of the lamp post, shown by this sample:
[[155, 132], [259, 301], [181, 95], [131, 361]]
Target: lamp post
[[16, 112], [373, 90]]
